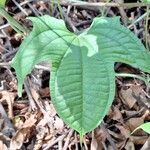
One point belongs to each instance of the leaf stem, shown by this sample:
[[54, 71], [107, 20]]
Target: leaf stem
[[14, 24], [132, 76]]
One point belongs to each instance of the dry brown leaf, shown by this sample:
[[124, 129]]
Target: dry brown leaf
[[100, 135], [1, 123], [94, 144], [44, 92], [20, 137], [139, 140], [3, 146], [39, 137], [129, 146], [4, 138], [133, 123], [50, 109], [24, 133], [115, 114], [116, 135], [125, 131], [127, 96], [120, 145], [17, 122], [146, 146], [9, 98], [31, 120], [97, 138]]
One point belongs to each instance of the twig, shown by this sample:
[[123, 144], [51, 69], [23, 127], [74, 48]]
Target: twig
[[132, 76], [139, 19], [146, 27], [101, 4], [9, 127], [122, 13], [139, 99], [60, 145], [5, 64], [15, 25], [34, 10], [27, 89], [67, 140], [76, 141], [85, 145], [97, 5], [108, 137], [51, 143], [68, 21], [19, 6], [4, 26]]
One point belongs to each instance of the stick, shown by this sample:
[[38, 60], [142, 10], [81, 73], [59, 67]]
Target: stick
[[109, 138], [101, 4]]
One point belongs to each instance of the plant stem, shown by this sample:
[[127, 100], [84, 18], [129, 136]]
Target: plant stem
[[132, 76], [14, 24], [60, 10], [146, 27]]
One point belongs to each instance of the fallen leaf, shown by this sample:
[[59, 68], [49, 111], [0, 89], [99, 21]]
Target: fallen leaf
[[44, 92], [41, 131], [133, 123], [146, 146], [98, 136], [3, 146], [129, 146], [115, 114], [125, 131], [127, 96], [20, 137], [24, 133], [138, 140], [9, 98], [94, 144]]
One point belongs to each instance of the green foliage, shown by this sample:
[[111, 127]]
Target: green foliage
[[145, 127], [146, 1], [82, 80], [2, 3]]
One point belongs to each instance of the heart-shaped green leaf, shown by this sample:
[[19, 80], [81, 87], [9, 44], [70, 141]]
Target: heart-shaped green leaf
[[82, 78]]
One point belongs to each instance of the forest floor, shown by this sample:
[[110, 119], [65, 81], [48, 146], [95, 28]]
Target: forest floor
[[30, 122]]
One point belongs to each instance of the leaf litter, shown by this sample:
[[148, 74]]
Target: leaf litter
[[25, 127]]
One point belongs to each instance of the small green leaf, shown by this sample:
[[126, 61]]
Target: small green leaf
[[146, 1], [145, 127], [2, 3], [82, 80]]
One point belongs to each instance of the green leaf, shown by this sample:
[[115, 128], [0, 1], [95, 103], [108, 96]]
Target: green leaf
[[82, 80], [146, 1], [145, 127], [2, 3]]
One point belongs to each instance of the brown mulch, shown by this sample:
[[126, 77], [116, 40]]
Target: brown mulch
[[31, 122]]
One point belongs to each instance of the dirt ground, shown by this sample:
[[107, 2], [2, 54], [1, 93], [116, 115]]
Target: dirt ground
[[30, 122]]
